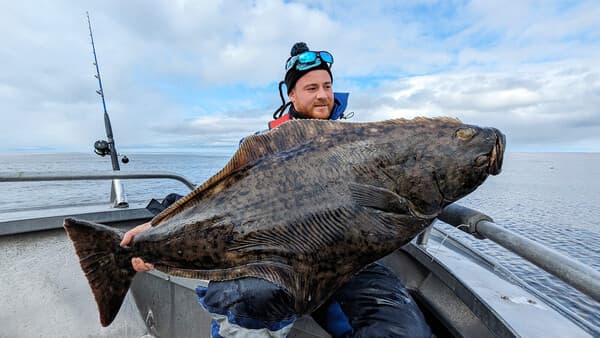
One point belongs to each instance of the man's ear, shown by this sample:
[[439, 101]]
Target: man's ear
[[292, 95]]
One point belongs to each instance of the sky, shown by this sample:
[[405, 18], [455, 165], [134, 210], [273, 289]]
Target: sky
[[196, 75]]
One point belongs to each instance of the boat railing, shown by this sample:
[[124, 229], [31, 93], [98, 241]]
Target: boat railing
[[92, 175], [481, 226], [37, 219]]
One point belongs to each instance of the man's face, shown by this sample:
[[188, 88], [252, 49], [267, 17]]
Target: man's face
[[312, 96]]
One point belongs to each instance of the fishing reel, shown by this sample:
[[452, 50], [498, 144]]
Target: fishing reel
[[102, 148]]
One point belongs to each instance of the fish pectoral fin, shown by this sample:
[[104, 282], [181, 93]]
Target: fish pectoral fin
[[379, 198]]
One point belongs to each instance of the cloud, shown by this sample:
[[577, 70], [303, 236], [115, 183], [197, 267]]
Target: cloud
[[186, 73], [213, 130], [535, 106]]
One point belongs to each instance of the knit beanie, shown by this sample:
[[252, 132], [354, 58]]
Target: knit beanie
[[293, 75]]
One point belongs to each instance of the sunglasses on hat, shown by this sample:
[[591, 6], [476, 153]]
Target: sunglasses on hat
[[308, 60]]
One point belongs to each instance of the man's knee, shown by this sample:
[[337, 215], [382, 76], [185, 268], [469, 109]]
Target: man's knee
[[374, 303]]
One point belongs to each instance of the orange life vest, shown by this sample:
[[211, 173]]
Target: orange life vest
[[283, 118]]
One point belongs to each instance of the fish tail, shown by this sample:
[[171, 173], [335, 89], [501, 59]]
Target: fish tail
[[106, 265]]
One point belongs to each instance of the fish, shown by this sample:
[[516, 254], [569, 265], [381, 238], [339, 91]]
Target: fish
[[305, 206]]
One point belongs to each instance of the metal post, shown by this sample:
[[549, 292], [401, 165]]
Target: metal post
[[117, 195]]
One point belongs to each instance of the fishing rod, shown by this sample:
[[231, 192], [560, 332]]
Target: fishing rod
[[102, 147]]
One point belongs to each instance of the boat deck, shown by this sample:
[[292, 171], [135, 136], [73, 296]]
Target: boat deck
[[45, 294]]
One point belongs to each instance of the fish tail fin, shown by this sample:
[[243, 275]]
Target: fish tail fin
[[106, 265]]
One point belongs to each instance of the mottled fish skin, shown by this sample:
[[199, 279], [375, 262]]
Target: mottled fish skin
[[312, 202]]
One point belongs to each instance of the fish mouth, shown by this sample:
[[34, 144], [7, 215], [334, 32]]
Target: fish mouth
[[496, 155]]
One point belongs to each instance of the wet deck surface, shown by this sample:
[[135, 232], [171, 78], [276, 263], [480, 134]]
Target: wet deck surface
[[43, 292]]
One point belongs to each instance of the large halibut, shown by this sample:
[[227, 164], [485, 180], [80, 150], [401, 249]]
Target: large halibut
[[305, 206]]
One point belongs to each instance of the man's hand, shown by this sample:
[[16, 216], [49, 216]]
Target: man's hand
[[138, 264]]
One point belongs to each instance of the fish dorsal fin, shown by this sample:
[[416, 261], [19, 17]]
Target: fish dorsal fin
[[286, 137]]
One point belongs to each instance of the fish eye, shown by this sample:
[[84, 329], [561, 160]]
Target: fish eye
[[465, 133]]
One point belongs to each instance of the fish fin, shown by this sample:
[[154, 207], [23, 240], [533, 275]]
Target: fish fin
[[285, 138], [275, 272], [288, 136], [106, 265], [310, 234], [379, 198]]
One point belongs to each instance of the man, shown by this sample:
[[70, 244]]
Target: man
[[372, 304], [309, 84]]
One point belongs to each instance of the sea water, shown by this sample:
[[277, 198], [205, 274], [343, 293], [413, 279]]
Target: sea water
[[552, 198]]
